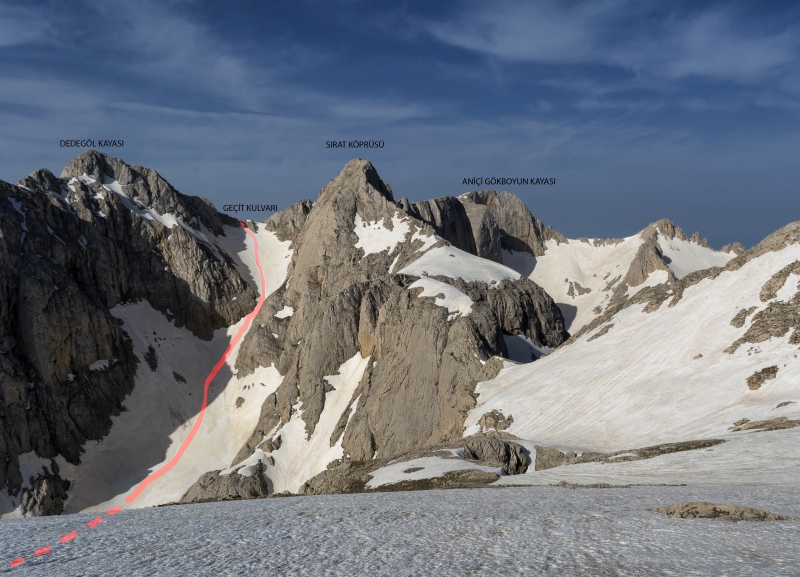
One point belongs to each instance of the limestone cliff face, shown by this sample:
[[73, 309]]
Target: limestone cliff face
[[448, 218], [519, 231], [347, 299], [70, 250], [106, 233]]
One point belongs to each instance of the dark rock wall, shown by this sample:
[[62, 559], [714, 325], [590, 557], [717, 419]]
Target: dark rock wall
[[70, 252]]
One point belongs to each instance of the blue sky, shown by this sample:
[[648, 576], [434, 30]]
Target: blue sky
[[640, 110]]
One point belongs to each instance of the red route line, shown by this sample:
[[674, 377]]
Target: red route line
[[174, 461], [153, 476], [68, 537]]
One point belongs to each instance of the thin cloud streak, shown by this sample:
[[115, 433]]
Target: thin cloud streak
[[705, 44]]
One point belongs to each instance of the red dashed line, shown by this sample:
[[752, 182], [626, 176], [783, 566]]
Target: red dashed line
[[114, 510], [68, 537], [42, 551]]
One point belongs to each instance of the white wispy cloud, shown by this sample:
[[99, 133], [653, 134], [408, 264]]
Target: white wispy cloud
[[20, 25], [623, 34]]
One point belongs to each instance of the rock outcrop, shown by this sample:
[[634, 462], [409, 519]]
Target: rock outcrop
[[727, 512], [71, 249], [346, 300], [448, 218], [45, 496], [213, 486], [495, 452], [519, 230]]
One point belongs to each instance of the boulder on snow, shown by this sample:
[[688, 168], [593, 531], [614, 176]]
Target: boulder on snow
[[496, 453]]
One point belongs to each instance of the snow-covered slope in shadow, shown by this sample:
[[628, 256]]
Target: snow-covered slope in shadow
[[165, 401]]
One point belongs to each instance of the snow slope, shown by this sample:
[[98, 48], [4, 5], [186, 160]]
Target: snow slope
[[164, 402], [685, 256], [655, 377], [568, 269], [447, 296], [513, 531], [454, 263]]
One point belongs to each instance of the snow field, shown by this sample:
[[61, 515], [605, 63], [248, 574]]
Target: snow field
[[595, 267], [753, 458], [592, 267], [455, 263], [430, 467], [686, 257], [640, 384], [509, 531]]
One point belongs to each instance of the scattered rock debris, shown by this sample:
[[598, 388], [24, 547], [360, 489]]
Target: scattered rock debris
[[733, 513]]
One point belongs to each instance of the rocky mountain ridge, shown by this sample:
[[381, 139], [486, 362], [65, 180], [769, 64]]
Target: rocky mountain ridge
[[71, 249], [382, 318]]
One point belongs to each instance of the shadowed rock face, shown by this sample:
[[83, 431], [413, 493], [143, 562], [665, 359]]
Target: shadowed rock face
[[424, 363], [71, 250], [519, 230], [448, 218]]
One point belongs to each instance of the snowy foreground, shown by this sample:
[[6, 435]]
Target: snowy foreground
[[495, 531]]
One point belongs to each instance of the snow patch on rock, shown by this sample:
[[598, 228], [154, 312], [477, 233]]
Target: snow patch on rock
[[456, 302], [455, 263], [375, 237], [285, 312], [430, 468]]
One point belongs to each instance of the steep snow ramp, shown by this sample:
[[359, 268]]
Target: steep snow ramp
[[587, 276], [167, 395], [299, 457], [677, 362], [455, 263], [684, 256]]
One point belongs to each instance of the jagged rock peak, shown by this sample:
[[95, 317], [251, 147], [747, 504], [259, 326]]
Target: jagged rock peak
[[148, 188], [669, 230], [41, 180], [99, 165], [358, 179], [736, 248], [288, 223]]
